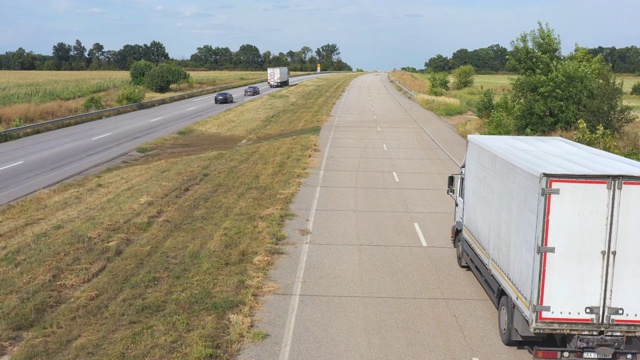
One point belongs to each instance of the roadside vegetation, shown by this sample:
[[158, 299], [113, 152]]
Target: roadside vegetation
[[576, 96], [164, 257], [28, 97]]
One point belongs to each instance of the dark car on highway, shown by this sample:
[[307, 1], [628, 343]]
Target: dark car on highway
[[251, 90], [223, 97]]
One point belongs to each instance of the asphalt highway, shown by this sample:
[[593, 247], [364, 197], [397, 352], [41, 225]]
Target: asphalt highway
[[39, 161], [369, 271]]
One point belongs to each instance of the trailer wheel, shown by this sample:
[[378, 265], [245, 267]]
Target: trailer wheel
[[505, 320], [461, 261]]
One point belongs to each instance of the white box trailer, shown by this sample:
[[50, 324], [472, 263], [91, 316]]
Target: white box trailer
[[277, 76], [551, 229]]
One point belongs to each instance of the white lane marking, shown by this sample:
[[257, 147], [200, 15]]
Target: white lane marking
[[156, 119], [195, 107], [422, 240], [101, 136], [378, 128], [295, 299], [375, 117], [384, 146], [8, 166], [395, 176], [203, 98]]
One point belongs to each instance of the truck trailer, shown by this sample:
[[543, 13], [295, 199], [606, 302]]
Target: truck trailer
[[277, 77], [551, 230]]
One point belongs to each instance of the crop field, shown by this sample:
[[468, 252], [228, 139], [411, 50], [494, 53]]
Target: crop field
[[28, 97], [164, 257]]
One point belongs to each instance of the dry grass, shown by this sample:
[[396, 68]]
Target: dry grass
[[411, 81], [164, 257]]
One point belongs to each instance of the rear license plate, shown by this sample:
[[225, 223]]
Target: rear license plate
[[593, 355]]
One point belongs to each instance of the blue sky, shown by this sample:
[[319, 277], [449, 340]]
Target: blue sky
[[372, 35]]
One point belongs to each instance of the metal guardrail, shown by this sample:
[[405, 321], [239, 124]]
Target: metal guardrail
[[13, 133], [403, 88], [100, 114]]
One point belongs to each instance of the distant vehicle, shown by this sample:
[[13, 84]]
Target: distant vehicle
[[277, 77], [251, 90], [223, 98]]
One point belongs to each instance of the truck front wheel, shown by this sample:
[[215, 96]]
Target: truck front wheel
[[461, 261], [505, 320]]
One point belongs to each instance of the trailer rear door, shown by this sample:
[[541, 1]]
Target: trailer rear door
[[624, 303], [576, 233]]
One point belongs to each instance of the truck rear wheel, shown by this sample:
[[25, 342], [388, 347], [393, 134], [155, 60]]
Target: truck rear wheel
[[505, 321], [461, 262]]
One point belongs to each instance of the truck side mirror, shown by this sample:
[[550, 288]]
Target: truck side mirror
[[450, 184]]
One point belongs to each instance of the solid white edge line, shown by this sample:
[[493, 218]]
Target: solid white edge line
[[422, 240], [8, 166], [101, 136], [295, 300]]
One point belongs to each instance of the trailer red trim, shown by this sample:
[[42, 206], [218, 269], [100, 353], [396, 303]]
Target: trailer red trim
[[541, 316]]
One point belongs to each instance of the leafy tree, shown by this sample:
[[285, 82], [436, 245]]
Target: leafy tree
[[536, 53], [139, 71], [305, 52], [439, 63], [21, 60], [96, 56], [327, 53], [79, 59], [552, 93], [62, 56], [409, 69], [249, 58], [463, 77], [635, 89], [129, 54], [155, 52], [460, 58]]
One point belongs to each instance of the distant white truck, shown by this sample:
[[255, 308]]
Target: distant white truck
[[551, 229], [277, 77]]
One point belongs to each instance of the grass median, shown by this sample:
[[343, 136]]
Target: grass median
[[164, 257]]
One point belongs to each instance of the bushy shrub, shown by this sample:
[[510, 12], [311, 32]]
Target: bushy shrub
[[130, 95], [177, 73], [601, 138], [485, 105], [439, 83], [92, 103], [160, 78], [501, 122], [463, 77], [139, 71], [635, 89]]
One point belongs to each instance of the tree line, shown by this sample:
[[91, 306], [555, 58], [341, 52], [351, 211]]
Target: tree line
[[247, 57], [495, 59]]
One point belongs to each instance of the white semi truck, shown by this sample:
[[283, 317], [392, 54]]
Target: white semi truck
[[277, 76], [551, 229]]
